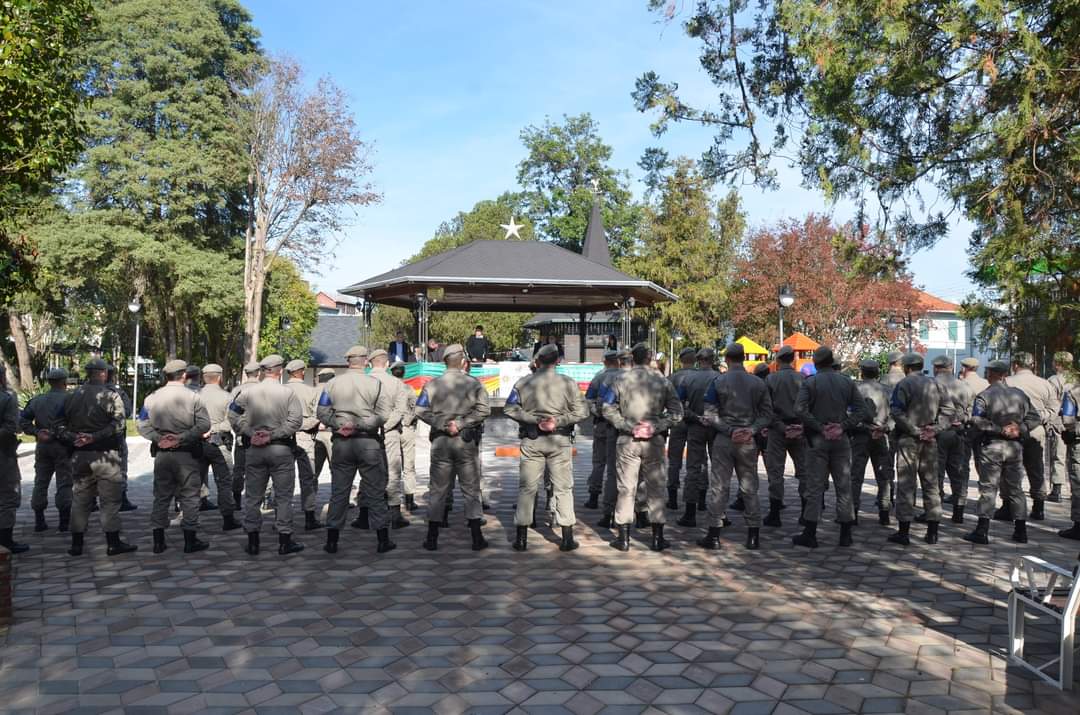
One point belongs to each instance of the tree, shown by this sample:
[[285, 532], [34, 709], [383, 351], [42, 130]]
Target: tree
[[306, 164], [558, 173], [840, 301], [288, 298], [688, 247]]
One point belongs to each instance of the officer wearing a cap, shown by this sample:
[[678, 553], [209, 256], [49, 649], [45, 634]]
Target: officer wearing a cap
[[323, 443], [829, 408], [217, 447], [252, 375], [546, 405], [785, 435], [601, 430], [10, 495], [1041, 395], [916, 408], [454, 405], [969, 373], [1002, 416], [1070, 406], [175, 421], [356, 406], [92, 424], [699, 437], [952, 453], [737, 407], [305, 441], [392, 431], [268, 415], [110, 382], [894, 370], [611, 478], [408, 440], [1056, 448], [641, 405], [870, 442], [38, 418], [677, 438]]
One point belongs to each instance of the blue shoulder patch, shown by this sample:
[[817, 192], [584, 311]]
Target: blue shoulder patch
[[1068, 405], [894, 400], [514, 398], [423, 400], [609, 395], [590, 394], [682, 392], [324, 399], [236, 408], [144, 414], [711, 397], [979, 409]]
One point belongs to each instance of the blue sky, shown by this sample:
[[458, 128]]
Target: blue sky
[[444, 89]]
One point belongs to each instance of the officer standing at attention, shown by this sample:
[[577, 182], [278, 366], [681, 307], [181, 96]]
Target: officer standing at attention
[[1070, 402], [641, 406], [677, 438], [610, 489], [737, 407], [392, 430], [1002, 416], [10, 496], [1041, 394], [252, 375], [218, 446], [305, 441], [38, 418], [356, 405], [870, 442], [454, 405], [93, 425], [323, 443], [952, 453], [174, 420], [916, 408], [829, 408], [895, 372], [268, 414], [699, 438], [408, 440], [969, 373], [601, 429], [785, 435], [546, 405], [1056, 448]]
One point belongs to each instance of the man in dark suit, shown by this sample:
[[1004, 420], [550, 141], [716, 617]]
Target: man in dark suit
[[477, 347], [399, 349]]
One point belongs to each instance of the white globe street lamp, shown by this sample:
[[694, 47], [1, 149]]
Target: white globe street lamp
[[135, 306], [787, 299]]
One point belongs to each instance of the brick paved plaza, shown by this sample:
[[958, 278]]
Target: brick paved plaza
[[871, 629]]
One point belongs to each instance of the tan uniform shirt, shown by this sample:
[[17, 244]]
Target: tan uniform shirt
[[1039, 391], [174, 409], [216, 401], [959, 398], [546, 394], [642, 395], [356, 399], [977, 383], [398, 393], [453, 396], [309, 400], [266, 406]]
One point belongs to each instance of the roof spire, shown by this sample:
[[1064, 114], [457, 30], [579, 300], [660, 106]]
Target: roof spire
[[595, 247]]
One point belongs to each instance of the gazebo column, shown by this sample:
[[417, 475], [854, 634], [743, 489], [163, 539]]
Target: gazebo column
[[366, 312], [627, 317], [581, 337], [422, 313]]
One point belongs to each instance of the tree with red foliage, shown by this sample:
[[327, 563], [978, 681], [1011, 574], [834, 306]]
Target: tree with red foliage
[[846, 286]]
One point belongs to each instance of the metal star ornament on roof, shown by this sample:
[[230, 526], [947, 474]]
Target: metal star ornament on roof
[[512, 228]]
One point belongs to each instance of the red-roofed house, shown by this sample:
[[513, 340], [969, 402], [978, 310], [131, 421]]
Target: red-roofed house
[[336, 304], [942, 331]]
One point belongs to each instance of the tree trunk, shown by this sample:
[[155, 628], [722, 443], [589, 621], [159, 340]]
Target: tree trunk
[[22, 351]]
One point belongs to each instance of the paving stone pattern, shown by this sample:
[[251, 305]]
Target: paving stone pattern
[[871, 629]]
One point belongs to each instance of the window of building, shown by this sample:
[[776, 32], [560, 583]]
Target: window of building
[[924, 330], [954, 331]]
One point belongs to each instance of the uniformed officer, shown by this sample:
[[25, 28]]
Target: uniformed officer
[[952, 454], [408, 440], [699, 437], [611, 477], [323, 443], [870, 442], [356, 405], [916, 409], [641, 405], [785, 435], [546, 405], [969, 373], [1002, 415], [677, 437], [454, 405], [252, 375], [894, 371], [305, 441], [1069, 408], [218, 445], [737, 407], [1057, 450], [175, 421], [267, 415], [93, 426], [601, 429], [829, 408], [10, 494], [110, 382], [1041, 395], [50, 457], [392, 431]]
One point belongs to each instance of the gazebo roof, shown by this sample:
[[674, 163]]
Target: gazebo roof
[[509, 276]]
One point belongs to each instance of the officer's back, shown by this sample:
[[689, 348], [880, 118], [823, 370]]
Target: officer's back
[[741, 398], [177, 409], [642, 395], [453, 395], [546, 393], [916, 402], [270, 406], [783, 388], [356, 398], [825, 398]]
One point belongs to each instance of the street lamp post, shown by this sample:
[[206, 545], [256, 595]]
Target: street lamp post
[[787, 299], [676, 336], [135, 306], [894, 324]]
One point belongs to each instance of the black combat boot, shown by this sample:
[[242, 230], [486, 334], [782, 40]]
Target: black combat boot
[[159, 541], [330, 546], [479, 543], [410, 503], [287, 546], [931, 532], [568, 543], [361, 520], [901, 537], [711, 540], [845, 533], [192, 543], [253, 543], [431, 543], [593, 502], [738, 504], [397, 520], [385, 544], [1073, 532], [7, 539], [76, 543], [658, 543], [39, 520], [206, 505], [773, 517], [622, 541], [958, 514], [642, 520], [229, 522], [689, 517], [1003, 513], [672, 499], [116, 546], [310, 522], [125, 504], [883, 517], [1055, 494], [702, 503], [1038, 511], [608, 521], [808, 537], [521, 538], [753, 538], [1020, 531], [981, 535], [65, 520]]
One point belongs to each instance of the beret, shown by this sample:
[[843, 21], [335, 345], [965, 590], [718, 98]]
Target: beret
[[56, 373], [823, 355], [212, 369], [623, 354], [610, 354], [785, 351], [252, 367], [912, 360], [706, 354], [271, 361], [356, 351], [970, 362], [295, 365], [869, 364], [98, 364], [175, 366], [192, 371], [378, 352], [452, 349], [639, 351]]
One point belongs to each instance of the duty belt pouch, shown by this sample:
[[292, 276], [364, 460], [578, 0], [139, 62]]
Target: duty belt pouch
[[227, 439], [469, 434], [528, 432]]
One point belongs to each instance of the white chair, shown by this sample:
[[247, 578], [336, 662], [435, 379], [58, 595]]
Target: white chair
[[1054, 592]]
